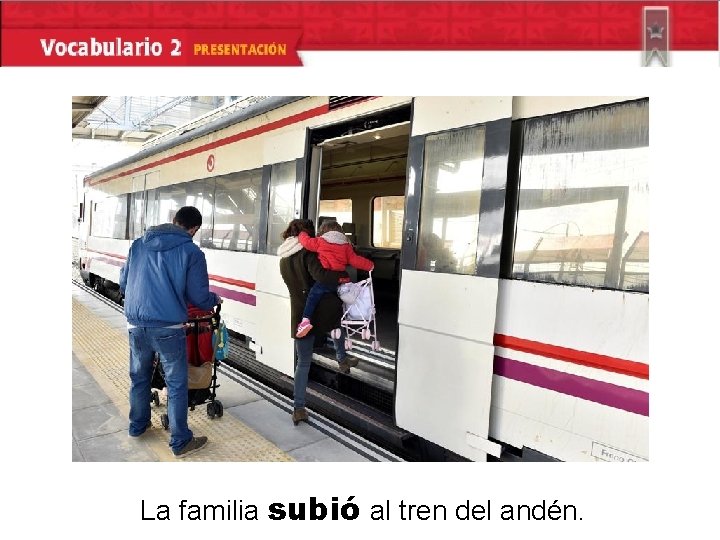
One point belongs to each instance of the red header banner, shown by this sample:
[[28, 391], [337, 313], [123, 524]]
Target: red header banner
[[270, 33], [150, 47]]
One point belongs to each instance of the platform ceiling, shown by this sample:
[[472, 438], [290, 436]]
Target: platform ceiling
[[137, 119]]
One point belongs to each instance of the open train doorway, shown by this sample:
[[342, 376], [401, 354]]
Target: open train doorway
[[358, 177]]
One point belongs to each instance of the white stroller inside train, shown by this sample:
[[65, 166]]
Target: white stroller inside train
[[358, 317]]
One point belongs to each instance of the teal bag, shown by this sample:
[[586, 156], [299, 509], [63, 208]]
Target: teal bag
[[221, 342]]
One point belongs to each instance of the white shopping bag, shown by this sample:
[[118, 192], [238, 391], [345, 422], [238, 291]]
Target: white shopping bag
[[361, 308], [348, 292]]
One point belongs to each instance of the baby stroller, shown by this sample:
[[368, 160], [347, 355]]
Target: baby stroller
[[358, 318], [204, 333]]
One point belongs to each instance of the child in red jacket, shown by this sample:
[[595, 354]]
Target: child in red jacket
[[335, 253]]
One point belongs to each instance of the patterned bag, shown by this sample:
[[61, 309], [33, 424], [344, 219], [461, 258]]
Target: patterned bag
[[221, 342]]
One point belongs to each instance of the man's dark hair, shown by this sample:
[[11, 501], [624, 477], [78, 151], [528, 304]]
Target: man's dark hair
[[188, 217]]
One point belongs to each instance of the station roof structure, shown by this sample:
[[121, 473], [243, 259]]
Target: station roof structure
[[82, 106], [138, 119], [106, 129]]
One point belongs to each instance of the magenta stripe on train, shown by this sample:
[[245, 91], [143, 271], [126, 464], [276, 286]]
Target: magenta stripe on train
[[612, 395], [234, 295]]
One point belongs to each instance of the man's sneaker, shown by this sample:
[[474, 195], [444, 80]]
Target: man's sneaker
[[149, 425], [195, 444], [303, 328]]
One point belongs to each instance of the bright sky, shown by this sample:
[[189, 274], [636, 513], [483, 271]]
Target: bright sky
[[91, 155]]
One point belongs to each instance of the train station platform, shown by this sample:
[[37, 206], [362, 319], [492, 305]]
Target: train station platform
[[255, 426]]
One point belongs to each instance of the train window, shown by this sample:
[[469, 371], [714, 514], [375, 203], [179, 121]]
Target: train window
[[237, 211], [340, 209], [169, 200], [388, 214], [450, 203], [282, 203], [200, 194], [583, 200], [161, 204], [109, 218]]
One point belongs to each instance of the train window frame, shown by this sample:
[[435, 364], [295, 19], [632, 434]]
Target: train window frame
[[372, 222], [274, 230], [109, 227], [613, 275], [335, 213], [136, 219], [248, 179], [205, 189], [151, 208], [446, 263], [171, 193]]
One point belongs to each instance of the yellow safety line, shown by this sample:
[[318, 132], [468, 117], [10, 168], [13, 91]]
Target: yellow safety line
[[103, 351]]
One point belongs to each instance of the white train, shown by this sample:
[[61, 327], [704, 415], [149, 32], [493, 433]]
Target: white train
[[510, 237]]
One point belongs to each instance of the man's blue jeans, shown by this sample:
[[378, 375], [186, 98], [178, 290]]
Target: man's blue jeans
[[304, 352], [169, 343]]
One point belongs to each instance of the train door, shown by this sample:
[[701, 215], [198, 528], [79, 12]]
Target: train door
[[138, 202], [457, 168], [358, 176], [281, 183], [83, 233]]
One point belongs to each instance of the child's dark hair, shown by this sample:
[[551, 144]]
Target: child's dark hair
[[328, 226], [297, 226]]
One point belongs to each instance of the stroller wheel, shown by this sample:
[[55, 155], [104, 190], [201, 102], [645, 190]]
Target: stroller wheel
[[335, 333], [348, 344], [376, 345], [165, 421], [214, 408], [155, 398], [365, 333]]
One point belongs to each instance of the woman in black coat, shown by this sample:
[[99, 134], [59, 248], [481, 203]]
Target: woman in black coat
[[300, 268]]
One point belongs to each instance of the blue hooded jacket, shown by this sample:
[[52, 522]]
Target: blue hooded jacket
[[164, 272]]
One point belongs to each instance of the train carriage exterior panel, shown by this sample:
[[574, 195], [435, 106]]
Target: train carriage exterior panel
[[571, 366]]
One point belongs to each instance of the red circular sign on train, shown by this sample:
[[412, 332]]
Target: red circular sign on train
[[210, 162]]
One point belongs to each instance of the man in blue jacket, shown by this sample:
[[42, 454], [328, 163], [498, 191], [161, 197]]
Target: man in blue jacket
[[164, 272]]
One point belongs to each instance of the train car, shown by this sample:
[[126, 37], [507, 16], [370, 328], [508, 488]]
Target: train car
[[510, 239]]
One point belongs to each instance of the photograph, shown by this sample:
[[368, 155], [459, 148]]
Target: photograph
[[362, 278]]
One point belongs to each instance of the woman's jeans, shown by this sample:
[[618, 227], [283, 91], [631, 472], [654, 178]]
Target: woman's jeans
[[304, 350], [169, 343]]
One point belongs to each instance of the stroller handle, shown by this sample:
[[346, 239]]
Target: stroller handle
[[213, 317]]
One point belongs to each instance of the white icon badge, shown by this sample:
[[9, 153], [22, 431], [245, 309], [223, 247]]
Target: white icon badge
[[656, 34]]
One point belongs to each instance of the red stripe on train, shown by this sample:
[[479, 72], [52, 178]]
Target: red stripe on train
[[283, 122], [583, 358], [230, 281], [106, 253]]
